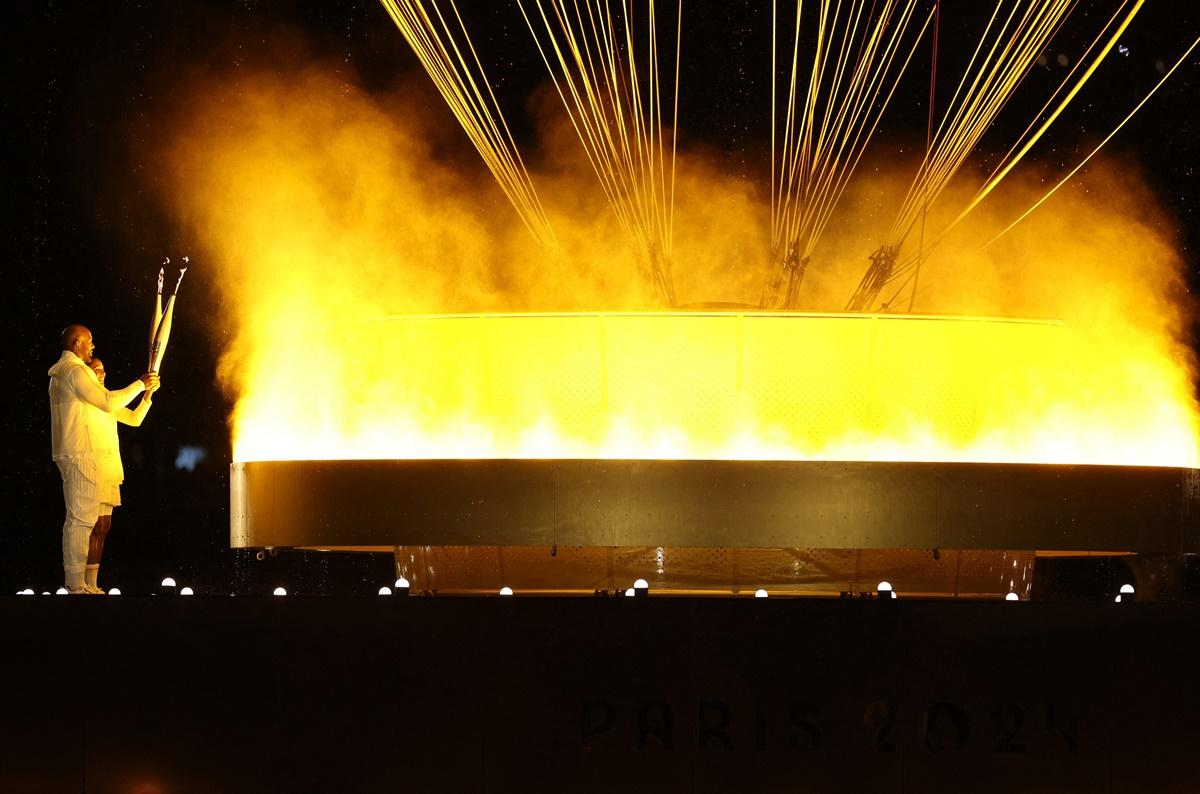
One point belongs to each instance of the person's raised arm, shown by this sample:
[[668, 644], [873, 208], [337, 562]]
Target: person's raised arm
[[134, 418], [88, 390]]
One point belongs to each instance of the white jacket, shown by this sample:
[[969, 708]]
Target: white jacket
[[84, 415]]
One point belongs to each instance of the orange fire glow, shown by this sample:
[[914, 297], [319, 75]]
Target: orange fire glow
[[343, 238]]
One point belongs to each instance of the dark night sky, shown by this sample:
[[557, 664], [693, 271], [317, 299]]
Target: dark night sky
[[91, 86]]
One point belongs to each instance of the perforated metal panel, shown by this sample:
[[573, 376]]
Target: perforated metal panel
[[585, 569], [673, 376]]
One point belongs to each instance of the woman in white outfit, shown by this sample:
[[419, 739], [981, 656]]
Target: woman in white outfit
[[112, 475]]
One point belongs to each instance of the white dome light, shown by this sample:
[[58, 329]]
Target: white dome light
[[61, 591], [385, 590], [114, 591], [1117, 600], [279, 591], [402, 583], [26, 591], [506, 591], [760, 593], [1126, 588], [641, 584], [187, 591], [884, 587], [630, 593], [168, 582], [45, 592], [1012, 597]]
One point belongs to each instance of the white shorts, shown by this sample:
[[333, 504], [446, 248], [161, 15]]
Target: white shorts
[[86, 495]]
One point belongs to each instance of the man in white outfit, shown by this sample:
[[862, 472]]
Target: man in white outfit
[[111, 454], [81, 429]]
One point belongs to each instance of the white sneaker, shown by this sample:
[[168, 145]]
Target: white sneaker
[[92, 589]]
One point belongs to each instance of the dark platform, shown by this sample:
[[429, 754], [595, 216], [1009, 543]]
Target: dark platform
[[714, 504], [606, 695]]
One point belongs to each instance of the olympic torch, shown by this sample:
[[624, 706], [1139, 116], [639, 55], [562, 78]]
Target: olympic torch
[[162, 331], [158, 311]]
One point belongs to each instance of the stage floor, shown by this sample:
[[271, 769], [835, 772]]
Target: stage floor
[[652, 694]]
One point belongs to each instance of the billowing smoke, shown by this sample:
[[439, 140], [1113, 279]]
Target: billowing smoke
[[320, 204]]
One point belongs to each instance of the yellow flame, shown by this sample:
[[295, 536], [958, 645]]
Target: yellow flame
[[717, 386], [337, 228]]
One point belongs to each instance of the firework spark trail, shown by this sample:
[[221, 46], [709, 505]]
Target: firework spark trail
[[1100, 146], [592, 61], [991, 88], [1011, 160], [838, 117], [907, 269], [458, 80], [904, 271], [1007, 49]]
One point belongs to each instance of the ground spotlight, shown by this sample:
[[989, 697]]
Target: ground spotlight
[[114, 591], [506, 591], [167, 586], [1127, 594], [402, 586], [760, 593], [885, 587], [1012, 597], [385, 590], [61, 591], [187, 591], [630, 593], [26, 591], [279, 591], [641, 587], [168, 582]]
